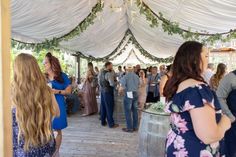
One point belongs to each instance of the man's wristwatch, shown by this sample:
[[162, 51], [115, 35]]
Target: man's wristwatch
[[59, 91]]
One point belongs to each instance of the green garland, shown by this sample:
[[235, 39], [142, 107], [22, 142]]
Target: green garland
[[132, 40], [174, 28], [120, 52], [53, 43], [117, 48], [138, 58], [148, 55], [126, 58], [110, 56]]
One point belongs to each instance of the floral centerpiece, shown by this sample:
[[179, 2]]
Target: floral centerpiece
[[156, 108]]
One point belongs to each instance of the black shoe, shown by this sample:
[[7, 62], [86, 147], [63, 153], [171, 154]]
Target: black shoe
[[104, 124], [127, 130], [135, 129]]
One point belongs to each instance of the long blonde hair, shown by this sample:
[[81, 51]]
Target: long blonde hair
[[33, 101]]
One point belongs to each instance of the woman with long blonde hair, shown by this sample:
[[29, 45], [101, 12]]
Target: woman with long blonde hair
[[34, 107]]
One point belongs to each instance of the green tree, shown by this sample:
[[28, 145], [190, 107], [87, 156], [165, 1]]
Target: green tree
[[67, 66]]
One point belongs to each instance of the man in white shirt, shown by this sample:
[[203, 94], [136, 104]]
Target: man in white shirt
[[208, 73]]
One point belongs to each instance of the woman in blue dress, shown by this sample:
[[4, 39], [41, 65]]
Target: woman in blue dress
[[197, 123], [33, 112], [60, 84]]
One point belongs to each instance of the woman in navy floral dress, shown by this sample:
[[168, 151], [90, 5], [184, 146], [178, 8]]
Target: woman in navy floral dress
[[197, 123], [32, 113]]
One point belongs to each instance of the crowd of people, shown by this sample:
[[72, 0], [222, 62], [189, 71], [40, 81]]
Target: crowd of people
[[201, 104]]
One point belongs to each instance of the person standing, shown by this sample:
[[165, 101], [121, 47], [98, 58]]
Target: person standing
[[226, 93], [90, 85], [107, 84], [153, 86], [138, 68], [61, 86], [130, 84], [96, 70], [120, 73], [162, 71], [33, 112], [149, 71], [142, 91], [124, 67], [197, 122], [220, 73], [209, 72], [164, 79], [72, 100]]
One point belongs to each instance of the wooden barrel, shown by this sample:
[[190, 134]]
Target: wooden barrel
[[119, 112], [152, 134]]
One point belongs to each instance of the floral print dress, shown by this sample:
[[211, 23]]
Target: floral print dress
[[182, 140], [46, 150]]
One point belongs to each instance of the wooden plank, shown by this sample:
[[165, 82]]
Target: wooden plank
[[5, 105], [85, 137]]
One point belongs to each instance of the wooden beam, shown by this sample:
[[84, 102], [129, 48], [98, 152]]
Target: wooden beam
[[5, 58]]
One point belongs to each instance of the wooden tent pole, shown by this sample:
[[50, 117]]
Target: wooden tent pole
[[5, 58]]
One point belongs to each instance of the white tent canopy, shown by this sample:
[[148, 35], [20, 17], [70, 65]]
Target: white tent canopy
[[35, 21]]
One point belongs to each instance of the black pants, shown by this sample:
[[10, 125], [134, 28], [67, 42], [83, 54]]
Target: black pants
[[151, 98], [230, 141]]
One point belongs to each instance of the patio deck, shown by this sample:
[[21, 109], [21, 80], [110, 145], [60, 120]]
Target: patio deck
[[85, 137]]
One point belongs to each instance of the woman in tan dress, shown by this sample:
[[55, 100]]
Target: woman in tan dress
[[220, 73], [142, 89], [90, 85]]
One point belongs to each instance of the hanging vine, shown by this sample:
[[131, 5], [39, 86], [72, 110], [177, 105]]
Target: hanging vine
[[171, 28], [132, 40], [54, 43]]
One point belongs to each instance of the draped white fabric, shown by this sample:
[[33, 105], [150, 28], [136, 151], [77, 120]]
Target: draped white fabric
[[37, 20], [104, 35], [214, 16]]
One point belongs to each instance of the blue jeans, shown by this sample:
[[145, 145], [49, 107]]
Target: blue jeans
[[131, 111], [107, 108]]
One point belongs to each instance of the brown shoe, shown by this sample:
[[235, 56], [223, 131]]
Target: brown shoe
[[115, 126], [127, 130]]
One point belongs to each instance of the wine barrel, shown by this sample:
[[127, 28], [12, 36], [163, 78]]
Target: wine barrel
[[119, 112], [152, 134]]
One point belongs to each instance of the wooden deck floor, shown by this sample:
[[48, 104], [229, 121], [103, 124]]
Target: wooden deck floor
[[85, 137]]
